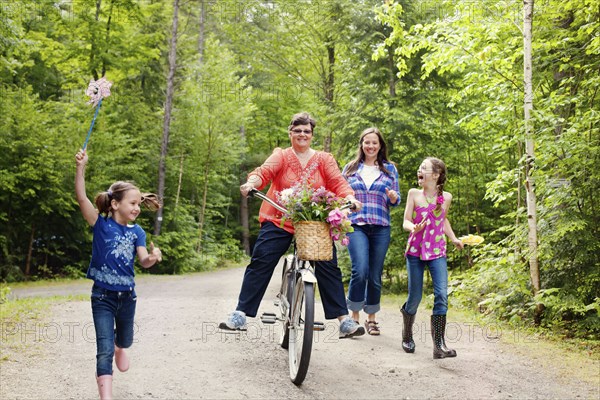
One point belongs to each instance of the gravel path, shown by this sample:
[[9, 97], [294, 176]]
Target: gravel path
[[179, 354]]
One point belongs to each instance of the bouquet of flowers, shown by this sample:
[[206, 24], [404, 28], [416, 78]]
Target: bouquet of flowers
[[304, 203]]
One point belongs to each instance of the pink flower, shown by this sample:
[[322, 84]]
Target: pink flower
[[440, 199], [345, 241], [335, 217]]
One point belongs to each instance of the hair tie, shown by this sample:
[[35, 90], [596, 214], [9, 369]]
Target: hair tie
[[109, 193], [440, 199]]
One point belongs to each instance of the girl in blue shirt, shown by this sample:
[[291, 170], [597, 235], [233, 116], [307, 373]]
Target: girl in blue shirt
[[115, 244], [375, 182]]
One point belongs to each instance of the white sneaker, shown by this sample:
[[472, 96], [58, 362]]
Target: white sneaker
[[235, 322], [350, 328]]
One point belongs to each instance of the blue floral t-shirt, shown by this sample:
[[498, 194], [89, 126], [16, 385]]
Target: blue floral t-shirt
[[113, 254]]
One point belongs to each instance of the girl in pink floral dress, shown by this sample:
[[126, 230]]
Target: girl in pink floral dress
[[425, 219]]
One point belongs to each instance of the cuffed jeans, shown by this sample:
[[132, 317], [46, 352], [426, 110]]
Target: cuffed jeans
[[368, 247], [438, 269], [113, 314], [270, 246]]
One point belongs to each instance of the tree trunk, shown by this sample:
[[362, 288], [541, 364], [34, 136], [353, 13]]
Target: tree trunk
[[167, 118], [203, 207], [29, 253], [244, 221], [329, 91], [201, 32], [179, 180], [106, 40], [93, 44], [207, 166], [534, 268], [392, 76]]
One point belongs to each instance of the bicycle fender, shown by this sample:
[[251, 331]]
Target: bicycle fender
[[308, 276]]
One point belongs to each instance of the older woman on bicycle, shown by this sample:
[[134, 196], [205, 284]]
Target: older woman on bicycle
[[284, 168]]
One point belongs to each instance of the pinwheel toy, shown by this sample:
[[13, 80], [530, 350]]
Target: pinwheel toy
[[97, 90]]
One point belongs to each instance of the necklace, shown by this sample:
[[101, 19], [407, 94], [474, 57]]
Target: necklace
[[430, 199]]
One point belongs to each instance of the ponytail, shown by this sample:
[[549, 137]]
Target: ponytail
[[440, 196], [151, 201], [439, 168], [102, 201]]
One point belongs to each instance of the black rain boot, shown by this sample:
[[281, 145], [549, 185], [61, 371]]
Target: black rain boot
[[438, 329], [408, 344]]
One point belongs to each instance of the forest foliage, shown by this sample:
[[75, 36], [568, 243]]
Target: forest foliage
[[438, 78]]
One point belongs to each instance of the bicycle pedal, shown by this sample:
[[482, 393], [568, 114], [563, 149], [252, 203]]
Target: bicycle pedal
[[268, 318], [318, 326]]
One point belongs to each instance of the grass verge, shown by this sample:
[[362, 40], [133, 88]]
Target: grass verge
[[22, 319]]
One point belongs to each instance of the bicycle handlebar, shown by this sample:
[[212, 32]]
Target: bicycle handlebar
[[261, 195], [254, 192]]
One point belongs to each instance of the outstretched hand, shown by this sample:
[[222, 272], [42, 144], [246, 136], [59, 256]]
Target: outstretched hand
[[458, 243], [155, 251]]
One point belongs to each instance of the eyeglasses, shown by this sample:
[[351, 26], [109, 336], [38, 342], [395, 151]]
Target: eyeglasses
[[299, 131]]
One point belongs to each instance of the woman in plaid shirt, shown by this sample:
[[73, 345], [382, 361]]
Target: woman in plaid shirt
[[375, 182]]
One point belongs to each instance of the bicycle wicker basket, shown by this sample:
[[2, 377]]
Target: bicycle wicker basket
[[313, 241]]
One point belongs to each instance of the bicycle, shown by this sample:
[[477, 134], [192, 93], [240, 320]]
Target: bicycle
[[296, 306]]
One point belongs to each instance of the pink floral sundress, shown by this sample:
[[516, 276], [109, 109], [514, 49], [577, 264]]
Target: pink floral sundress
[[429, 243]]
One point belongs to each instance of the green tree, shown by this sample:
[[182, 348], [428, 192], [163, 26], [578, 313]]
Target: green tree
[[482, 45]]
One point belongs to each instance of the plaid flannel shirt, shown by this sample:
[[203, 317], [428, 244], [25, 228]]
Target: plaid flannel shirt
[[376, 203]]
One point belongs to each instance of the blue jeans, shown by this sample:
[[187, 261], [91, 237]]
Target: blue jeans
[[271, 244], [113, 314], [368, 247], [438, 269]]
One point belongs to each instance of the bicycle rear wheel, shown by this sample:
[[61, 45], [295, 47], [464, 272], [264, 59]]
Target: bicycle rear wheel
[[301, 329]]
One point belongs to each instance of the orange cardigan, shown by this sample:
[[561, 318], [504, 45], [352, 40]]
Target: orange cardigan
[[283, 170]]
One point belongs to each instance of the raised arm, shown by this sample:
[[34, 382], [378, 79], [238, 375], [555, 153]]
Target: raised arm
[[87, 208]]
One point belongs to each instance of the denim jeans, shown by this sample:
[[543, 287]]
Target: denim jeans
[[113, 314], [438, 269], [271, 244], [368, 247]]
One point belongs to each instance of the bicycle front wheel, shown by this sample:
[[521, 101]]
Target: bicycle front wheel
[[285, 301], [301, 329]]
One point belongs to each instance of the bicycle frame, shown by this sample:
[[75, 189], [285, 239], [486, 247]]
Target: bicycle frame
[[296, 301]]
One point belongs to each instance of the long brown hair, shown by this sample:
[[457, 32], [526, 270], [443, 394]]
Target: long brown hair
[[360, 156], [439, 167], [117, 191]]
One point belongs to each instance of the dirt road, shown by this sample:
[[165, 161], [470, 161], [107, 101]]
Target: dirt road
[[179, 354]]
